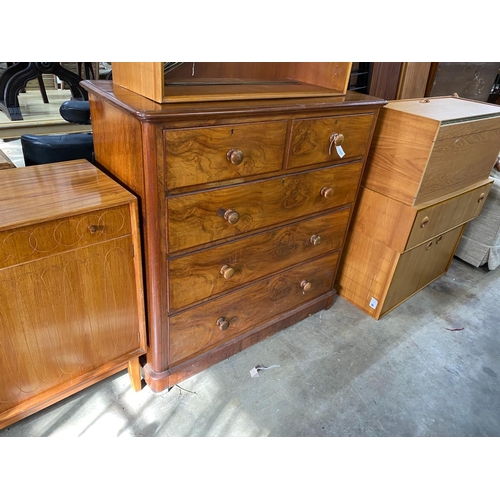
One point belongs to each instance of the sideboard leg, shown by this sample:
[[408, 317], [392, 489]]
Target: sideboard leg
[[134, 372]]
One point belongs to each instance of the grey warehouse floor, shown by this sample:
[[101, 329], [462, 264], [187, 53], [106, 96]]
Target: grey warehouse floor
[[429, 368]]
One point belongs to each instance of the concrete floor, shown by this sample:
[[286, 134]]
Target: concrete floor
[[429, 368]]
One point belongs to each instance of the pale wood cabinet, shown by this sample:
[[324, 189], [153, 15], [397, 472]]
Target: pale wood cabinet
[[245, 206], [427, 175], [71, 289]]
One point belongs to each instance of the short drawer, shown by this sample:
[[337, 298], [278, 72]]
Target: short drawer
[[319, 140], [208, 273], [200, 218], [210, 154], [201, 328], [49, 238], [443, 216]]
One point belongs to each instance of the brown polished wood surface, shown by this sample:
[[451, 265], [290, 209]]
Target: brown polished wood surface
[[313, 140], [197, 219], [224, 215], [210, 154], [231, 81], [70, 284], [196, 276], [198, 329]]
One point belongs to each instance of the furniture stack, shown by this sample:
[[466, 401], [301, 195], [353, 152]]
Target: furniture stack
[[247, 182], [427, 175]]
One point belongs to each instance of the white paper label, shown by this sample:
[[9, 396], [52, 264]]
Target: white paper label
[[373, 303], [340, 151]]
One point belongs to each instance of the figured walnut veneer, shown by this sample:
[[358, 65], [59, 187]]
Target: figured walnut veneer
[[244, 208]]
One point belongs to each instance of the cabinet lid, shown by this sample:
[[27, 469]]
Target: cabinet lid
[[446, 109], [47, 192]]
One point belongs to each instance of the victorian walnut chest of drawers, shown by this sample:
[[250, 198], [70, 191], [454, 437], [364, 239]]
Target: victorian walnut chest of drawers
[[245, 207], [71, 287], [427, 175]]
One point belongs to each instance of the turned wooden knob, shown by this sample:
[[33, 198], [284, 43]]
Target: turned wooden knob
[[335, 140], [326, 192], [93, 228], [315, 239], [235, 156], [425, 221], [429, 245], [305, 285], [481, 198], [227, 271], [231, 216], [222, 323], [439, 239]]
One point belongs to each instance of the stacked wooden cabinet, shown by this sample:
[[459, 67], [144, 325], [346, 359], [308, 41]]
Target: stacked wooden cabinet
[[247, 178], [427, 175]]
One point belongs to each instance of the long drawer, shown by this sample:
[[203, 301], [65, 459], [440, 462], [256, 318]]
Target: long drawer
[[32, 242], [199, 275], [402, 227], [203, 327], [200, 218], [202, 155]]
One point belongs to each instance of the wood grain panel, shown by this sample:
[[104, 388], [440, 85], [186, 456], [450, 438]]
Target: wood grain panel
[[399, 154], [196, 331], [458, 162], [69, 187], [197, 276], [122, 158], [53, 333], [420, 266], [199, 155], [365, 271], [413, 80], [49, 238], [311, 138], [196, 219], [383, 219]]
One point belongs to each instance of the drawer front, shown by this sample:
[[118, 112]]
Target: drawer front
[[421, 265], [455, 163], [315, 140], [438, 218], [200, 218], [211, 154], [199, 329], [197, 276], [49, 238]]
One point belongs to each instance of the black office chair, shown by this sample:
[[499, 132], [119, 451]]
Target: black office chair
[[40, 149]]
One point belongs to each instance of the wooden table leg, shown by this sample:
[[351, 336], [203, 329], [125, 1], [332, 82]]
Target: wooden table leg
[[134, 371]]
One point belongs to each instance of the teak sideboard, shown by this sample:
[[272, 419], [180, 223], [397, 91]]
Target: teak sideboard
[[71, 287], [244, 206], [426, 176]]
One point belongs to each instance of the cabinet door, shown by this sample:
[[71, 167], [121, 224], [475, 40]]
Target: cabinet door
[[420, 266], [64, 317]]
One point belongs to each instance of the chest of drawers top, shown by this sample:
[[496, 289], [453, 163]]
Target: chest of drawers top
[[424, 149]]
